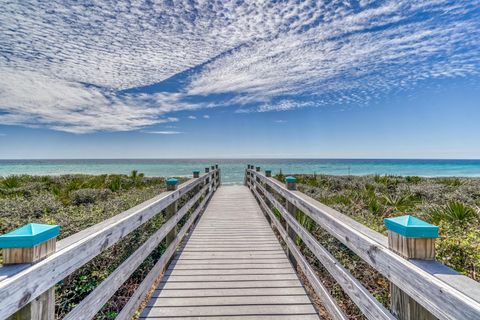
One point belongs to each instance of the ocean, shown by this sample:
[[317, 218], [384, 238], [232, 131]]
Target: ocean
[[233, 169]]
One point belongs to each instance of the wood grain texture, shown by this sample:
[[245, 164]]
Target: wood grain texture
[[90, 305], [29, 255], [143, 289], [20, 288], [444, 300], [226, 281], [334, 311], [412, 248], [402, 305]]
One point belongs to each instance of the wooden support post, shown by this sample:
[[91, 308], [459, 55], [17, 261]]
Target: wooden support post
[[170, 211], [291, 233], [30, 244], [172, 184], [196, 174], [410, 238], [291, 183], [268, 173]]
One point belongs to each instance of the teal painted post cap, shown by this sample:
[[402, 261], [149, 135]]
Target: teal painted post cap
[[172, 181], [290, 179], [411, 227], [29, 235], [268, 171], [196, 171]]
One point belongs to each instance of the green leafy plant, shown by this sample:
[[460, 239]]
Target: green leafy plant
[[11, 182], [451, 182], [400, 203], [374, 206], [413, 179], [306, 222], [115, 183], [453, 211]]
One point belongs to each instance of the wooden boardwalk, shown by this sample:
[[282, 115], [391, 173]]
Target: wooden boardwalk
[[231, 267]]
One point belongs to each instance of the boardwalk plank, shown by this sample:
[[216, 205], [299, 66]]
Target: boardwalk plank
[[232, 266]]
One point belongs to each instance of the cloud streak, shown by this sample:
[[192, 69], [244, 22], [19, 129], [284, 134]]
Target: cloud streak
[[165, 132]]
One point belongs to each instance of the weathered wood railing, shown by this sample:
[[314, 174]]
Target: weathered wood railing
[[21, 285], [420, 289]]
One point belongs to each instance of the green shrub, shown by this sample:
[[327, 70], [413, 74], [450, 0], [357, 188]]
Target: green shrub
[[451, 182], [374, 206], [88, 196], [453, 211], [306, 222], [11, 182], [400, 203], [413, 179], [115, 183]]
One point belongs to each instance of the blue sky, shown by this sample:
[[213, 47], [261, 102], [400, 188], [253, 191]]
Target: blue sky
[[346, 79]]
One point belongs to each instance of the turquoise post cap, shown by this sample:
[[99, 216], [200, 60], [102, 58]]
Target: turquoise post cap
[[29, 235], [268, 171], [290, 179], [411, 227], [172, 181], [196, 171]]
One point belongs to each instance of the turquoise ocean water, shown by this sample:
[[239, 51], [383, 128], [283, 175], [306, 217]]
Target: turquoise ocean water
[[233, 169]]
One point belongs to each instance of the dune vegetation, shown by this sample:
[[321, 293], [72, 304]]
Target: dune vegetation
[[453, 204], [76, 202]]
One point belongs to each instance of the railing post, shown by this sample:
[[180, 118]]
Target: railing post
[[218, 176], [410, 238], [291, 184], [30, 244], [171, 210], [257, 179]]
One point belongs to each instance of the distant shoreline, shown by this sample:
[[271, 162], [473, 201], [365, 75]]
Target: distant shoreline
[[233, 169]]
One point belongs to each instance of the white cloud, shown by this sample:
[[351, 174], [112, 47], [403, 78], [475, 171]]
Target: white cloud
[[164, 132], [280, 121], [206, 116], [192, 117], [354, 57], [64, 66]]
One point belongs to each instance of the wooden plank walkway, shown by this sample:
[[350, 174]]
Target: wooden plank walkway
[[231, 267]]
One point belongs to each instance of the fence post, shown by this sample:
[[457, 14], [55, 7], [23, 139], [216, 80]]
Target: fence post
[[410, 238], [30, 244], [291, 184], [171, 210]]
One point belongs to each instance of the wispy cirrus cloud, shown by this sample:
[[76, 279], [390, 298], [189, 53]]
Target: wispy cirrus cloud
[[352, 58], [164, 132], [66, 65]]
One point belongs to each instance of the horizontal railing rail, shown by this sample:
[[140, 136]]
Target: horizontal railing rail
[[437, 288], [21, 284]]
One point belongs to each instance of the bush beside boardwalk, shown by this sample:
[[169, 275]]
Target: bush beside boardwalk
[[76, 202], [451, 203]]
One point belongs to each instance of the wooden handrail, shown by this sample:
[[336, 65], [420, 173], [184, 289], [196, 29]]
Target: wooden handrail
[[328, 301], [447, 295], [20, 284]]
